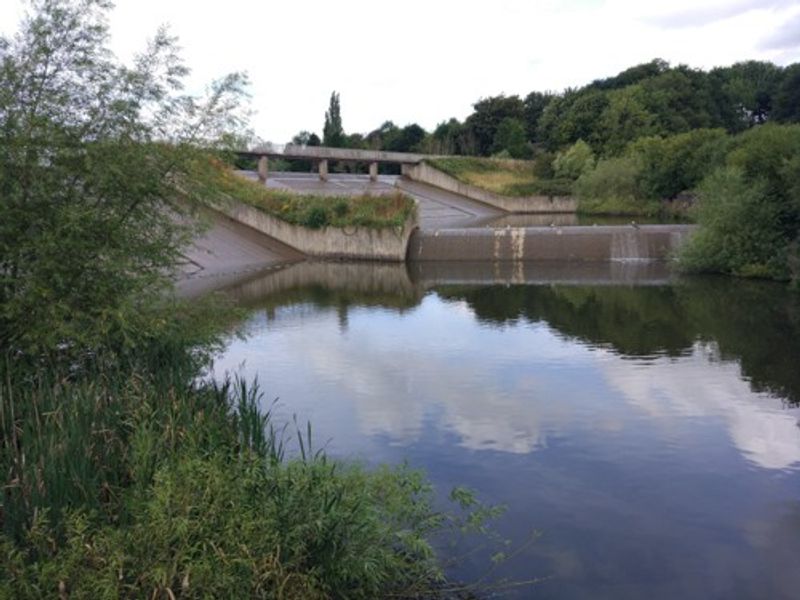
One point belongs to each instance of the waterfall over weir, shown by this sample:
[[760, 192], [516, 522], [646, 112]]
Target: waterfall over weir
[[628, 245], [580, 243]]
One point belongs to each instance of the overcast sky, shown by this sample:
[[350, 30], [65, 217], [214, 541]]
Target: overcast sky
[[425, 61]]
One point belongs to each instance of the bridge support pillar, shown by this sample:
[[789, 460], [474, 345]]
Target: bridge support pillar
[[373, 171], [263, 169], [323, 170]]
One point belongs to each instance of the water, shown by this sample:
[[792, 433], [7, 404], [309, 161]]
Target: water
[[645, 426]]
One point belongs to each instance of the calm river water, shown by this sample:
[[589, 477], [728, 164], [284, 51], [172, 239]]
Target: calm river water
[[645, 426]]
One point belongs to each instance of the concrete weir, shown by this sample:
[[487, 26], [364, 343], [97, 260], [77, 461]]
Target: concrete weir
[[579, 243]]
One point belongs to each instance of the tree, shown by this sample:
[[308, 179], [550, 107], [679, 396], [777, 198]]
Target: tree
[[95, 166], [632, 75], [510, 137], [744, 93], [406, 139], [574, 162], [535, 103], [680, 99], [489, 113], [303, 138], [452, 137], [787, 97], [624, 119], [678, 163], [332, 132]]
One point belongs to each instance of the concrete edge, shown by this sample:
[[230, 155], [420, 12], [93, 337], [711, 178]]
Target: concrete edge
[[425, 173], [579, 243], [357, 243]]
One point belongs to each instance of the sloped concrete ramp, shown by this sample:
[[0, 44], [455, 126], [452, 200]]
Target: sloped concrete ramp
[[230, 247]]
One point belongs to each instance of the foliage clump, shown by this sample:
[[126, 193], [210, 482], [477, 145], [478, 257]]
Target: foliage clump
[[749, 209], [93, 163], [574, 161]]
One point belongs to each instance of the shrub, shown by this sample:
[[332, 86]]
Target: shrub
[[341, 208], [669, 166], [740, 229], [612, 188], [543, 165], [138, 485], [316, 218], [574, 162]]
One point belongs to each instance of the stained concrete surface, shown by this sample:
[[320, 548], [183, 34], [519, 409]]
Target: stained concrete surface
[[227, 246]]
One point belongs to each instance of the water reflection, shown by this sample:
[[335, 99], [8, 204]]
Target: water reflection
[[647, 424]]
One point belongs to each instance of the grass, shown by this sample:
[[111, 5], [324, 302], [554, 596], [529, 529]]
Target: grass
[[500, 176], [373, 211], [131, 485], [141, 480]]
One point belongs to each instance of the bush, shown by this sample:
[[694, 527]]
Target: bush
[[316, 218], [543, 165], [749, 212], [143, 485], [669, 166], [739, 231], [612, 188], [341, 208], [574, 162], [92, 175]]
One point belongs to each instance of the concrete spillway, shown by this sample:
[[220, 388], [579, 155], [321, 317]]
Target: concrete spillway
[[452, 228], [579, 243]]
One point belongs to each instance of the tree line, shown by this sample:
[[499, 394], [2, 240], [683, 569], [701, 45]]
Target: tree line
[[650, 99]]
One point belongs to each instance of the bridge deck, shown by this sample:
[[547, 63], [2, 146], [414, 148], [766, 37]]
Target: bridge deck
[[291, 151]]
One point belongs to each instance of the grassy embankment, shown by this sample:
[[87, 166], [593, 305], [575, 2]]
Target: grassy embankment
[[506, 177], [308, 210]]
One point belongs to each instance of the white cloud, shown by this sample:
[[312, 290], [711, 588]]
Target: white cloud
[[759, 426], [424, 62]]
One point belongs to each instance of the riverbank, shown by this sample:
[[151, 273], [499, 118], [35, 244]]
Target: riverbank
[[227, 504]]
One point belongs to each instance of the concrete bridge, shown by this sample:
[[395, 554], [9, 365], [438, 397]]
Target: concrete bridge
[[322, 154]]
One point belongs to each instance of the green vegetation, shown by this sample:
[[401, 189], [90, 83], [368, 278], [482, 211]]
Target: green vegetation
[[646, 100], [125, 474], [642, 142], [136, 484], [501, 176], [333, 132], [611, 188], [314, 211], [749, 209]]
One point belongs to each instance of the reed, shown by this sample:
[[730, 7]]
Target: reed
[[130, 484]]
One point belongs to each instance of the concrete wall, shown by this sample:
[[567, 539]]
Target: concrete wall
[[529, 204], [360, 243], [592, 243]]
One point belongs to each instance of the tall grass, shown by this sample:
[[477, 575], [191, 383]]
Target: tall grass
[[125, 484]]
